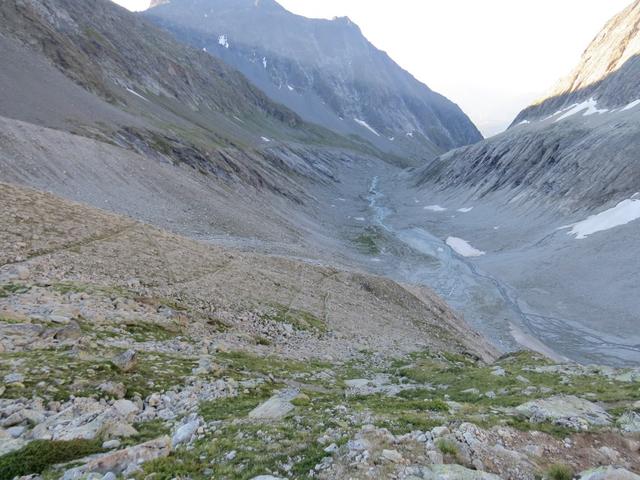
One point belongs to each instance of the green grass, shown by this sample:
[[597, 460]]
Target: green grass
[[154, 372], [559, 471], [38, 455], [447, 447], [9, 289], [147, 431], [238, 407], [298, 319], [144, 331], [367, 242]]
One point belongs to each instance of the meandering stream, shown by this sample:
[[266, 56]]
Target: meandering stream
[[489, 305]]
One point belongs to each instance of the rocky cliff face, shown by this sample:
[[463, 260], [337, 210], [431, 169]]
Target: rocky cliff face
[[608, 72], [576, 148], [102, 47], [325, 70]]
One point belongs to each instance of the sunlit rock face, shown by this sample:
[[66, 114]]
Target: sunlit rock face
[[608, 72]]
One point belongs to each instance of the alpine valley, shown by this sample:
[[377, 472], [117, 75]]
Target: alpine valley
[[238, 243]]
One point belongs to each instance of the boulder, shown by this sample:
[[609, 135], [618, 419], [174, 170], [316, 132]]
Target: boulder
[[276, 407], [185, 433], [392, 456], [608, 473], [126, 409], [125, 461], [565, 410], [629, 422], [71, 331], [126, 361], [448, 472], [13, 378]]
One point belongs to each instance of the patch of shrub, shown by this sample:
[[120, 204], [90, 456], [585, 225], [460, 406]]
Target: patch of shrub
[[559, 471], [38, 455]]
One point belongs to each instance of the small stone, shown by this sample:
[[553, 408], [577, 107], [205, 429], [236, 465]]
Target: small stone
[[498, 372], [391, 456], [331, 448], [231, 455], [440, 432], [12, 378], [111, 444]]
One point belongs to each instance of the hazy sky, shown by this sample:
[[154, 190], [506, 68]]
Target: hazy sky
[[491, 57]]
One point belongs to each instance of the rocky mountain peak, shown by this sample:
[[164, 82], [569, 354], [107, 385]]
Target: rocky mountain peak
[[607, 72], [616, 43], [325, 70]]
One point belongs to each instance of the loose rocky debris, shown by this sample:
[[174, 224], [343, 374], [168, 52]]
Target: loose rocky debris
[[134, 362]]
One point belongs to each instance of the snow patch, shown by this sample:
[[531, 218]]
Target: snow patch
[[290, 88], [223, 41], [465, 210], [366, 125], [265, 139], [590, 107], [409, 134], [359, 219], [631, 105], [625, 212], [463, 248], [264, 62], [435, 208], [524, 122]]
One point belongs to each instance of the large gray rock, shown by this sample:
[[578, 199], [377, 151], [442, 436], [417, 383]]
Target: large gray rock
[[566, 410], [125, 361], [87, 419], [447, 472], [608, 473], [125, 461], [629, 422], [185, 433], [276, 407]]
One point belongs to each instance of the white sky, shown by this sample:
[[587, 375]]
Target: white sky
[[491, 57]]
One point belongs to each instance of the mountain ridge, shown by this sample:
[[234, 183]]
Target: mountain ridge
[[607, 71], [322, 79]]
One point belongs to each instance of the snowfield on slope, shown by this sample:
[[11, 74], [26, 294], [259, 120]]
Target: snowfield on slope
[[463, 248], [364, 124], [625, 212], [591, 107]]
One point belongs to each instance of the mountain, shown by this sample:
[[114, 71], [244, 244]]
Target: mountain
[[555, 201], [608, 72], [94, 70], [325, 70]]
